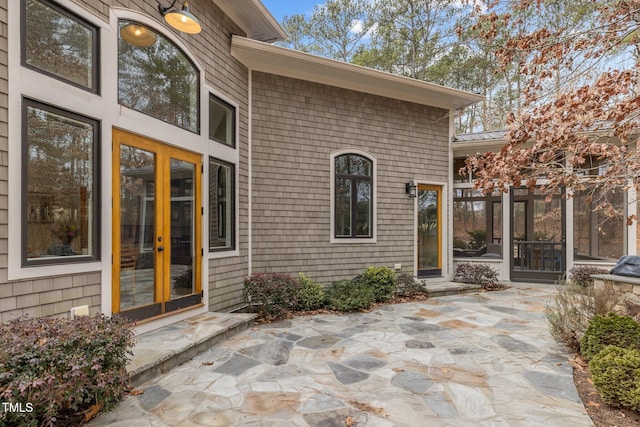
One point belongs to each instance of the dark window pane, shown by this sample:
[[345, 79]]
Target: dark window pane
[[343, 207], [159, 80], [363, 220], [59, 184], [352, 164], [60, 44], [221, 121], [221, 205]]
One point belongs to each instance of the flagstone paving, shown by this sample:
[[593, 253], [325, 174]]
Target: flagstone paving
[[483, 359]]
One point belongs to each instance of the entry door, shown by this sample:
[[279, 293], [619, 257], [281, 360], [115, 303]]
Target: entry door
[[537, 236], [157, 246], [429, 230]]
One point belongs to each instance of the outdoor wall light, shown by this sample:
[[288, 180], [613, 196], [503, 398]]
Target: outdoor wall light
[[411, 189], [138, 35], [181, 20]]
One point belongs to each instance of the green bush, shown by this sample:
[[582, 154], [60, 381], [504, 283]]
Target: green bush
[[345, 295], [271, 295], [381, 280], [613, 329], [582, 275], [615, 372], [311, 294], [408, 286], [478, 274], [60, 367]]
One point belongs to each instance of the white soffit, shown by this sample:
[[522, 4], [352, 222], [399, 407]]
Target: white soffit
[[271, 59], [254, 19]]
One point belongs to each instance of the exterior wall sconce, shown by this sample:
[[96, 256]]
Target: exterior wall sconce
[[411, 189], [182, 20]]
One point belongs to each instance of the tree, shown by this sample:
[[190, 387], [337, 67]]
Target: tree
[[579, 118]]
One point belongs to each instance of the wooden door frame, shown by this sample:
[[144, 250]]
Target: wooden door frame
[[162, 174]]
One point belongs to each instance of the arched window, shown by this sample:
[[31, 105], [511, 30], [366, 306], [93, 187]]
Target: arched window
[[158, 79], [353, 215]]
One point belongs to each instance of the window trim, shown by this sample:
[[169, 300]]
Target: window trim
[[234, 114], [232, 202], [374, 199], [95, 46], [96, 173]]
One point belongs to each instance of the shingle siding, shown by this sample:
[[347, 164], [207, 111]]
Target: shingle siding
[[297, 126]]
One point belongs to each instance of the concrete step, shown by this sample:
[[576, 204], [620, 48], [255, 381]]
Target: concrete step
[[158, 351], [439, 289]]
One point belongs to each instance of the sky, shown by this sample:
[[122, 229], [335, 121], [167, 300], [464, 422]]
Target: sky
[[280, 8]]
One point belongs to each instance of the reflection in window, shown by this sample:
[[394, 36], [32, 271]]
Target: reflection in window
[[353, 196], [477, 223], [59, 43], [59, 183], [159, 80], [221, 121], [221, 205]]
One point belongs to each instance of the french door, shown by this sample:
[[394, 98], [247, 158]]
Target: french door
[[157, 250], [429, 230]]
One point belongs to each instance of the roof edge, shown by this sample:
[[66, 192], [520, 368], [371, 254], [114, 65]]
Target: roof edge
[[277, 60], [254, 18]]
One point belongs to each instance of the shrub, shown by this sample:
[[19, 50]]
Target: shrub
[[311, 294], [345, 295], [582, 275], [408, 286], [62, 366], [569, 312], [616, 374], [381, 280], [271, 295], [479, 274], [613, 329]]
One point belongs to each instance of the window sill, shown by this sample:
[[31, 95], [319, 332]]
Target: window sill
[[353, 241]]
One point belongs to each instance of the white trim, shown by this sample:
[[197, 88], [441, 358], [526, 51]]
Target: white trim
[[332, 202]]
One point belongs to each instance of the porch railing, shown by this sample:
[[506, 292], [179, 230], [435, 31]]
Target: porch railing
[[538, 256]]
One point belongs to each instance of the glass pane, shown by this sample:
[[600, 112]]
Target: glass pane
[[137, 227], [59, 180], [159, 80], [428, 244], [59, 44], [221, 121], [597, 237], [343, 207], [497, 222], [519, 220], [469, 228], [457, 165], [363, 220], [352, 164], [221, 205], [182, 228]]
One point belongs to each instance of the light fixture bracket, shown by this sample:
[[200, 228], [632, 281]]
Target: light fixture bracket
[[180, 19]]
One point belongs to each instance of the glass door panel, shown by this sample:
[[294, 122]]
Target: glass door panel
[[137, 228], [182, 228], [429, 230], [157, 246]]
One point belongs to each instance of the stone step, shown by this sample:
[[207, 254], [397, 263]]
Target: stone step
[[158, 351], [439, 289]]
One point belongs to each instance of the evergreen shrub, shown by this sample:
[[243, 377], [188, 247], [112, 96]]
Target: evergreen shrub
[[615, 372], [613, 329]]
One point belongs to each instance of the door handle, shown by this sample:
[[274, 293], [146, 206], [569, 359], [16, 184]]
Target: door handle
[[160, 248]]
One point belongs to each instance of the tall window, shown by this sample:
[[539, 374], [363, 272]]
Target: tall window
[[596, 235], [159, 80], [477, 223], [59, 182], [60, 44], [353, 196], [221, 205]]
